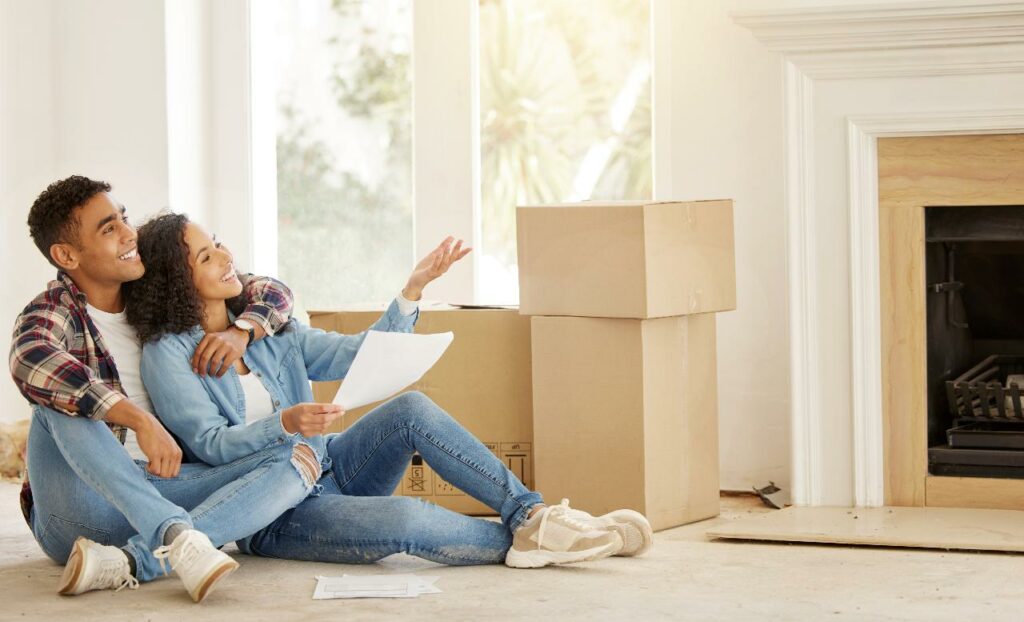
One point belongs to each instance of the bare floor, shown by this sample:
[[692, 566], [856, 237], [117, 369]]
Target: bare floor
[[685, 577]]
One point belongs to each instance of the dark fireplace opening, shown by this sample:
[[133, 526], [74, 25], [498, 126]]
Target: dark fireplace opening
[[974, 269]]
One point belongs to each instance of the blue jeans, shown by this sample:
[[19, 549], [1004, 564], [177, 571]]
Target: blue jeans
[[355, 519], [85, 484]]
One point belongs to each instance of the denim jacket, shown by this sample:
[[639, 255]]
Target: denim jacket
[[208, 413]]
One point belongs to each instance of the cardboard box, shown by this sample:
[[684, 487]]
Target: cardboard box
[[483, 381], [625, 415], [627, 259]]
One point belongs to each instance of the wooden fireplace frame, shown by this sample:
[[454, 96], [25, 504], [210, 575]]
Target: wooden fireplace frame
[[913, 173]]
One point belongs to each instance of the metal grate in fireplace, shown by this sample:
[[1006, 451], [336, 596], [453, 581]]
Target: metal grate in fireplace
[[989, 392], [987, 437]]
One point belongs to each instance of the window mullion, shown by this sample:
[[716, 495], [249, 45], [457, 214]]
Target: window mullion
[[446, 136]]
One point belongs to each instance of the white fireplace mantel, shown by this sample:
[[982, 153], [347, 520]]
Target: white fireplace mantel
[[961, 70], [906, 39], [888, 26]]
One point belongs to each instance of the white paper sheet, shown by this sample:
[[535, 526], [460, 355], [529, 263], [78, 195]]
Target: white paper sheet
[[387, 363], [374, 586]]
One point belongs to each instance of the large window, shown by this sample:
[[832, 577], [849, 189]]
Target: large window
[[344, 155], [565, 114]]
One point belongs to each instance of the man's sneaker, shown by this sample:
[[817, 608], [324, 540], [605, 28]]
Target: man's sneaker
[[196, 562], [553, 536], [633, 527], [94, 566]]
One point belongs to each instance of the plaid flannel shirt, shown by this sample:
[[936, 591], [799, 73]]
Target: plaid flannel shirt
[[58, 358]]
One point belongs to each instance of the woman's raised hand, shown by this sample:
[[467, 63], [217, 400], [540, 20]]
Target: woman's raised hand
[[434, 265]]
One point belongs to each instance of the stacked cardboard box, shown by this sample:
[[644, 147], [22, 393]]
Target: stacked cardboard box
[[624, 369], [483, 381]]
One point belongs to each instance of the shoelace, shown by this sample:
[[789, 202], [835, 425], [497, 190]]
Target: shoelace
[[187, 553], [117, 575], [561, 511]]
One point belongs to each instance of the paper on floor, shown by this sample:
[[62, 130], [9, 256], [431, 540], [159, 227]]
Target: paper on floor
[[374, 586], [387, 363]]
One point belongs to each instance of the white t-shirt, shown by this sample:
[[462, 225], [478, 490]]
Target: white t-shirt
[[258, 402], [123, 345]]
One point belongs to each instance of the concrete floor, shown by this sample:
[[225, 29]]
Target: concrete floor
[[685, 577]]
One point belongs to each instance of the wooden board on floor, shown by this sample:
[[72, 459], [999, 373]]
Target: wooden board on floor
[[934, 528]]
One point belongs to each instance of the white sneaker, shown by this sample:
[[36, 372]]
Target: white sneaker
[[94, 566], [636, 532], [197, 562], [553, 536]]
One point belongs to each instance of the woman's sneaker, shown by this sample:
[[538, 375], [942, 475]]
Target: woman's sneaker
[[94, 566], [197, 562], [633, 527], [553, 536]]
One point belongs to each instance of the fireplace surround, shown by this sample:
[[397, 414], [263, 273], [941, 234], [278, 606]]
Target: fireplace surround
[[852, 77]]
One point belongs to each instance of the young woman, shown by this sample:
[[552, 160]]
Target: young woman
[[190, 288]]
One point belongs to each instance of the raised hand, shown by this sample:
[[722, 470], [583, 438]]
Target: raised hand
[[434, 265]]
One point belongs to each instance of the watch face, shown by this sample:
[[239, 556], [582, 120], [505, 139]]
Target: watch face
[[244, 324]]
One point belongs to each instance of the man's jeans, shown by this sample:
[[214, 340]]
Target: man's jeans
[[84, 483], [355, 519]]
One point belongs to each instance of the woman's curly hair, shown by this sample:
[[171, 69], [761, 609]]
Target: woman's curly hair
[[164, 300]]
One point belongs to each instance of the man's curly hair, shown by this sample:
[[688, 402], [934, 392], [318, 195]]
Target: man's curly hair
[[52, 219], [164, 300]]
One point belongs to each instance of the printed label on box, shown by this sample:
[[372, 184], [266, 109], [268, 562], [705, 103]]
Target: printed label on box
[[417, 481], [518, 457], [446, 489], [422, 481]]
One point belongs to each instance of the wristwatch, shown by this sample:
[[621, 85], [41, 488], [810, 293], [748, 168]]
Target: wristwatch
[[248, 328]]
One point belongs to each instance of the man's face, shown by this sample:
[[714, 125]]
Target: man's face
[[105, 251]]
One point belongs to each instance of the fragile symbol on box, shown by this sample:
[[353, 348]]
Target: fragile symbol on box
[[417, 479]]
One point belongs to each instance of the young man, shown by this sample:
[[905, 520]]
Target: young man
[[76, 359]]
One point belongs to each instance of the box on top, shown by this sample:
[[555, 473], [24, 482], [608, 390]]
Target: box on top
[[626, 259]]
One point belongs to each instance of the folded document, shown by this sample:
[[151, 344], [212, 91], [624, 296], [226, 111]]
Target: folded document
[[374, 586]]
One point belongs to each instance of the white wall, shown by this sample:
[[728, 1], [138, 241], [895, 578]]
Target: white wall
[[26, 162], [82, 91], [110, 97], [187, 39], [725, 140]]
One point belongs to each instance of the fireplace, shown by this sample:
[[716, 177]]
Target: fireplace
[[974, 270], [950, 238], [930, 99]]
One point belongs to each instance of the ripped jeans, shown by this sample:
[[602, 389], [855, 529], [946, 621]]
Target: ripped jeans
[[84, 483], [353, 517]]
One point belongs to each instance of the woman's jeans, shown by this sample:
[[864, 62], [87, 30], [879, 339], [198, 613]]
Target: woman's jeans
[[355, 518], [85, 484]]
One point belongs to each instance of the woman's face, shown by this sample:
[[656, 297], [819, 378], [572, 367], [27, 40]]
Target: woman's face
[[213, 268]]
